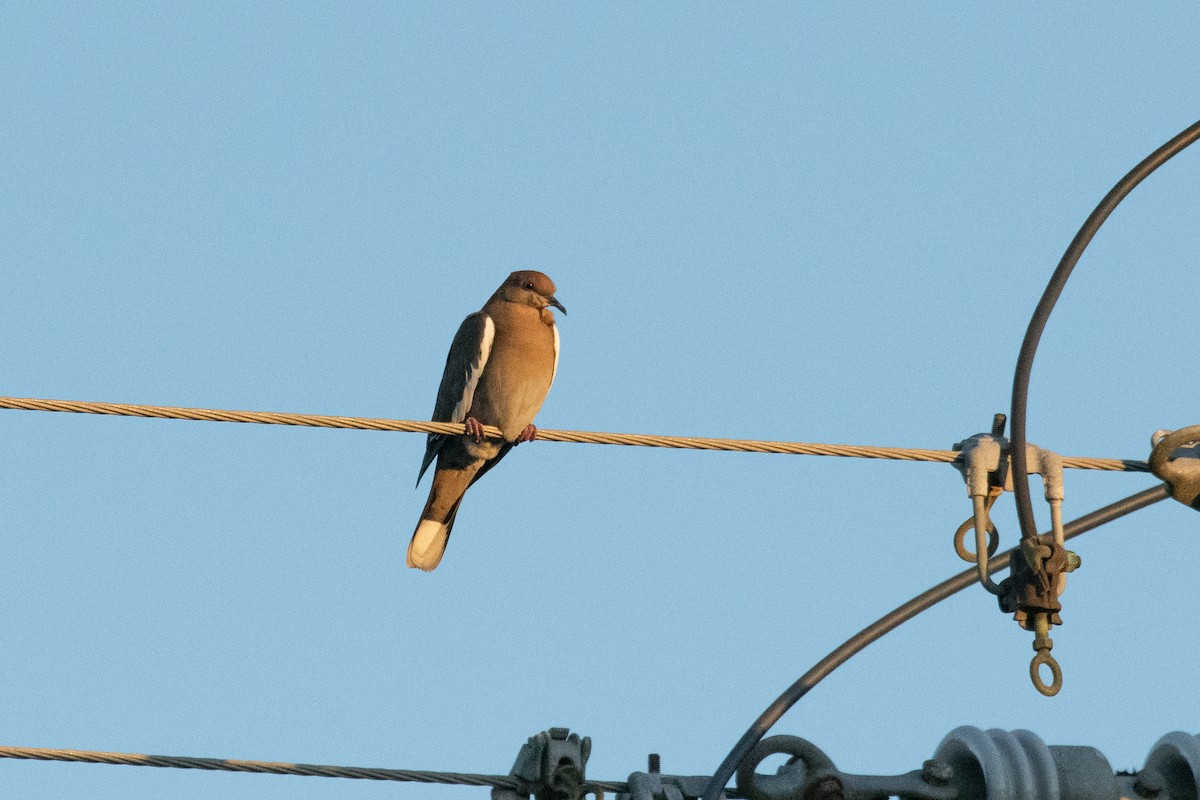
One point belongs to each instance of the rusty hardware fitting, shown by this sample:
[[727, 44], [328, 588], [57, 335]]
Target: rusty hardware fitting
[[1176, 460], [1031, 592]]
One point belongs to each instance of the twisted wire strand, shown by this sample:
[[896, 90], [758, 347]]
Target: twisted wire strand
[[544, 434], [280, 768]]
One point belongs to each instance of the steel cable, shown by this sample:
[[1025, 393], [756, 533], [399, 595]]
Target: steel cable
[[894, 619], [281, 768], [768, 718], [1041, 314], [544, 434]]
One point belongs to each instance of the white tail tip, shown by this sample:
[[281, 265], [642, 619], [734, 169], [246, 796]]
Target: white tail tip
[[428, 544]]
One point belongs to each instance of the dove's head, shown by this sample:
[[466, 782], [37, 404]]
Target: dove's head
[[531, 288]]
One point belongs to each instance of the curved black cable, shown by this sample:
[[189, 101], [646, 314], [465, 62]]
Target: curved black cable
[[894, 619], [1020, 391]]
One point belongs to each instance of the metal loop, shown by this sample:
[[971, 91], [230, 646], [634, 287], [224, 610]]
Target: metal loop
[[775, 787], [960, 536], [1035, 674]]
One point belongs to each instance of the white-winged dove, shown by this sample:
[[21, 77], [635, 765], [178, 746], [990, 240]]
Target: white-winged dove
[[500, 367]]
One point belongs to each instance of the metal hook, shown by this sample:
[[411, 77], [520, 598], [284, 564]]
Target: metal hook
[[984, 530], [960, 547], [1042, 644], [982, 464], [1055, 685]]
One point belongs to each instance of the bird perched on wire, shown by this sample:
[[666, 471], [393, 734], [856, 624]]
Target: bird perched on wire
[[500, 367]]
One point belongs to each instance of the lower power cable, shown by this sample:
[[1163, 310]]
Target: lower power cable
[[894, 619]]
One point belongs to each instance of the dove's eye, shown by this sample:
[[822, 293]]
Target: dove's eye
[[529, 286]]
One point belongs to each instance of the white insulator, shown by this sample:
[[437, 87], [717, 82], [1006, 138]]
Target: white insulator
[[998, 765], [1175, 759]]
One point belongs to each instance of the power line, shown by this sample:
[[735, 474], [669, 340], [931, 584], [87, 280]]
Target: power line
[[715, 785], [548, 435], [282, 768], [893, 620], [1041, 314]]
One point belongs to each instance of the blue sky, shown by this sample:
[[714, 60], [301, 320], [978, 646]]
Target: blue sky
[[817, 222]]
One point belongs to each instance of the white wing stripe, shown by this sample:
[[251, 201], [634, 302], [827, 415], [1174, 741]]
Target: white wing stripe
[[554, 371], [474, 370]]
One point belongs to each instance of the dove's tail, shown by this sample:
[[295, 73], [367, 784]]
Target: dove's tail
[[433, 531], [428, 543]]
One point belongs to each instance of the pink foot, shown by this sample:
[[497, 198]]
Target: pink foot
[[474, 428], [527, 435]]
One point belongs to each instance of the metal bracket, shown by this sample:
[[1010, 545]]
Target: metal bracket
[[1031, 592], [551, 765], [653, 786]]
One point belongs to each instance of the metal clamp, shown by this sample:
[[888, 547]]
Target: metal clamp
[[1176, 460], [1031, 592], [551, 765], [653, 785], [1031, 596]]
